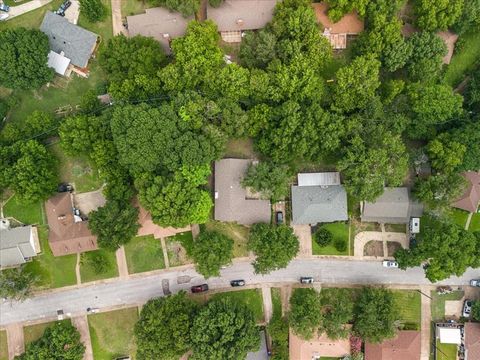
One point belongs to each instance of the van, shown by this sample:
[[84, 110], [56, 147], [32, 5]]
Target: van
[[414, 225]]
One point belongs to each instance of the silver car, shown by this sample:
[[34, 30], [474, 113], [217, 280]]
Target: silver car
[[475, 282], [467, 308]]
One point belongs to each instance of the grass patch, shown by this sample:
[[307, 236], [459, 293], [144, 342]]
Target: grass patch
[[3, 345], [52, 271], [103, 28], [27, 213], [76, 170], [409, 305], [359, 226], [276, 303], [176, 252], [238, 233], [240, 148], [251, 298], [438, 303], [88, 271], [35, 332], [144, 253], [32, 19], [459, 217], [339, 231], [112, 333], [134, 7], [464, 59], [474, 223], [400, 228], [446, 351]]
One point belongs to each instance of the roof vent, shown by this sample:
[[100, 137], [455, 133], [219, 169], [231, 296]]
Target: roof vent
[[61, 217], [239, 22]]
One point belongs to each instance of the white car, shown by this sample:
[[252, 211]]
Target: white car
[[467, 308], [390, 264], [475, 282]]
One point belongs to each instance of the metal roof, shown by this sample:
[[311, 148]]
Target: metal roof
[[58, 62], [319, 179], [450, 335]]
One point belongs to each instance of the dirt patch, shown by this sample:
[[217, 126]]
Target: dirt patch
[[393, 246], [364, 226], [373, 248], [177, 255]]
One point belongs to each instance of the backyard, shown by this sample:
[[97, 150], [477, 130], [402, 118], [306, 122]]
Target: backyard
[[409, 304], [3, 345], [144, 253], [475, 223], [35, 332], [103, 28], [27, 213], [112, 333], [459, 217], [438, 303], [464, 59], [238, 233], [340, 233], [97, 265], [446, 351], [252, 298]]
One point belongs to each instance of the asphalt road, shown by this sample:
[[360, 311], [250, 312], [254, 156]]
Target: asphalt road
[[138, 289]]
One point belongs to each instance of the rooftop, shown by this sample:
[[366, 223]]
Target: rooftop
[[350, 24], [472, 341], [471, 197], [16, 244], [406, 346]]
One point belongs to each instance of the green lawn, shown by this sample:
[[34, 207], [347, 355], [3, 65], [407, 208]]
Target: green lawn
[[78, 171], [438, 303], [339, 230], [27, 213], [465, 59], [87, 270], [276, 303], [409, 305], [112, 333], [3, 345], [400, 228], [12, 3], [446, 351], [459, 217], [144, 253], [35, 332], [103, 28], [475, 223], [52, 271], [252, 298], [134, 7], [176, 251], [32, 19], [238, 233]]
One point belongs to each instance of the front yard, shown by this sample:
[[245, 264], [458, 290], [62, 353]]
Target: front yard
[[32, 19], [144, 253], [97, 265], [459, 217], [35, 332], [252, 298], [27, 213], [475, 223], [3, 345], [176, 252], [409, 304], [340, 233], [238, 233], [438, 303], [112, 333]]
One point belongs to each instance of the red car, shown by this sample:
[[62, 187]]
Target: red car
[[199, 288]]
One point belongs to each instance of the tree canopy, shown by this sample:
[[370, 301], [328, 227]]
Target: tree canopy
[[305, 316], [17, 283], [435, 15], [93, 10], [269, 179]]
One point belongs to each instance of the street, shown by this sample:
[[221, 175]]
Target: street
[[137, 290]]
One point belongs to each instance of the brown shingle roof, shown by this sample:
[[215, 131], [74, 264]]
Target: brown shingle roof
[[349, 24], [471, 197], [65, 235], [406, 346], [472, 341]]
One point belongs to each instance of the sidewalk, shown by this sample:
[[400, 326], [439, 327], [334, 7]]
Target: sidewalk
[[15, 340], [425, 324], [27, 7], [81, 323], [267, 303]]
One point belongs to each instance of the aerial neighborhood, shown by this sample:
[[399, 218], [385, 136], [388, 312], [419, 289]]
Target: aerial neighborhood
[[239, 179]]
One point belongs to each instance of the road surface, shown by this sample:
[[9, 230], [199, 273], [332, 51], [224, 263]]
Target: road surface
[[138, 289]]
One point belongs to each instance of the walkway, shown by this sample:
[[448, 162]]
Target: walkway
[[361, 239], [267, 303], [77, 270], [15, 340], [426, 323], [81, 323], [117, 18], [27, 7], [304, 234], [122, 263]]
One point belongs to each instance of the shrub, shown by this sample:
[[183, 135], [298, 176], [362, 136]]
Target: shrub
[[340, 245], [323, 237]]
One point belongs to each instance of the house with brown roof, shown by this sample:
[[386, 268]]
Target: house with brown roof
[[472, 341], [471, 197], [233, 17], [318, 347], [337, 32], [406, 346], [68, 232]]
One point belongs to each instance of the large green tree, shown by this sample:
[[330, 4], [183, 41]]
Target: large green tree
[[469, 136], [305, 316], [17, 284], [435, 15], [163, 329], [337, 310], [224, 330], [274, 246], [258, 49], [271, 180], [93, 10], [445, 154], [425, 63], [23, 58], [38, 125], [440, 190], [210, 251], [470, 17]]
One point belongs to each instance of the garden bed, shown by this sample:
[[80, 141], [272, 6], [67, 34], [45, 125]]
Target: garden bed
[[393, 246], [373, 248]]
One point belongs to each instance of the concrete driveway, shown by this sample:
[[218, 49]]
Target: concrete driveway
[[304, 234], [24, 8], [89, 201], [72, 13]]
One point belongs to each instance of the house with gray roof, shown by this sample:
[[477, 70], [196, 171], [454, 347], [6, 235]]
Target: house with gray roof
[[394, 206], [233, 203], [17, 245], [68, 40], [318, 198]]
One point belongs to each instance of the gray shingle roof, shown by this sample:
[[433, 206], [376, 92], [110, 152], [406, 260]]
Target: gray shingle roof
[[317, 204], [76, 43], [15, 246]]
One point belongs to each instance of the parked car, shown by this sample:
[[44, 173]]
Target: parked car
[[64, 187], [199, 288], [306, 280], [65, 5], [279, 217], [237, 283], [4, 7], [467, 308], [92, 310], [475, 282], [3, 17], [390, 264]]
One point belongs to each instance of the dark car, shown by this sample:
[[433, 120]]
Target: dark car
[[64, 187], [65, 5], [279, 217], [237, 283], [4, 7], [199, 288], [306, 280]]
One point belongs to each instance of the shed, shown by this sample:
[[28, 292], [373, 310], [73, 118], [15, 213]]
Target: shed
[[450, 335]]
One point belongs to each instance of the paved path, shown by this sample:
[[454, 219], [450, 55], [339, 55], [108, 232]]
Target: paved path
[[469, 218], [27, 7], [77, 270], [285, 293], [122, 262], [365, 236], [165, 253], [304, 234], [81, 323], [137, 289], [267, 303], [15, 340], [425, 324], [117, 18]]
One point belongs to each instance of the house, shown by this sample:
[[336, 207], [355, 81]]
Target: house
[[159, 23], [405, 346], [338, 32], [236, 16], [471, 197], [68, 232], [69, 44], [318, 198], [318, 347], [233, 203], [472, 341], [394, 206], [17, 245]]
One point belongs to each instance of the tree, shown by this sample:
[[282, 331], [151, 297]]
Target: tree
[[337, 309], [305, 315], [16, 284], [210, 251], [38, 125], [224, 330], [271, 180], [426, 60], [185, 7], [472, 92], [440, 190], [99, 261], [445, 155], [90, 103], [435, 15], [61, 341], [476, 310], [115, 224], [93, 10], [163, 328], [338, 8], [80, 133], [470, 17], [274, 247], [258, 49], [278, 331], [447, 247], [356, 84], [323, 237], [375, 315], [469, 136], [23, 58]]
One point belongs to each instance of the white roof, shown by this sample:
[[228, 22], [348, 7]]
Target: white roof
[[58, 62], [450, 336], [319, 179]]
